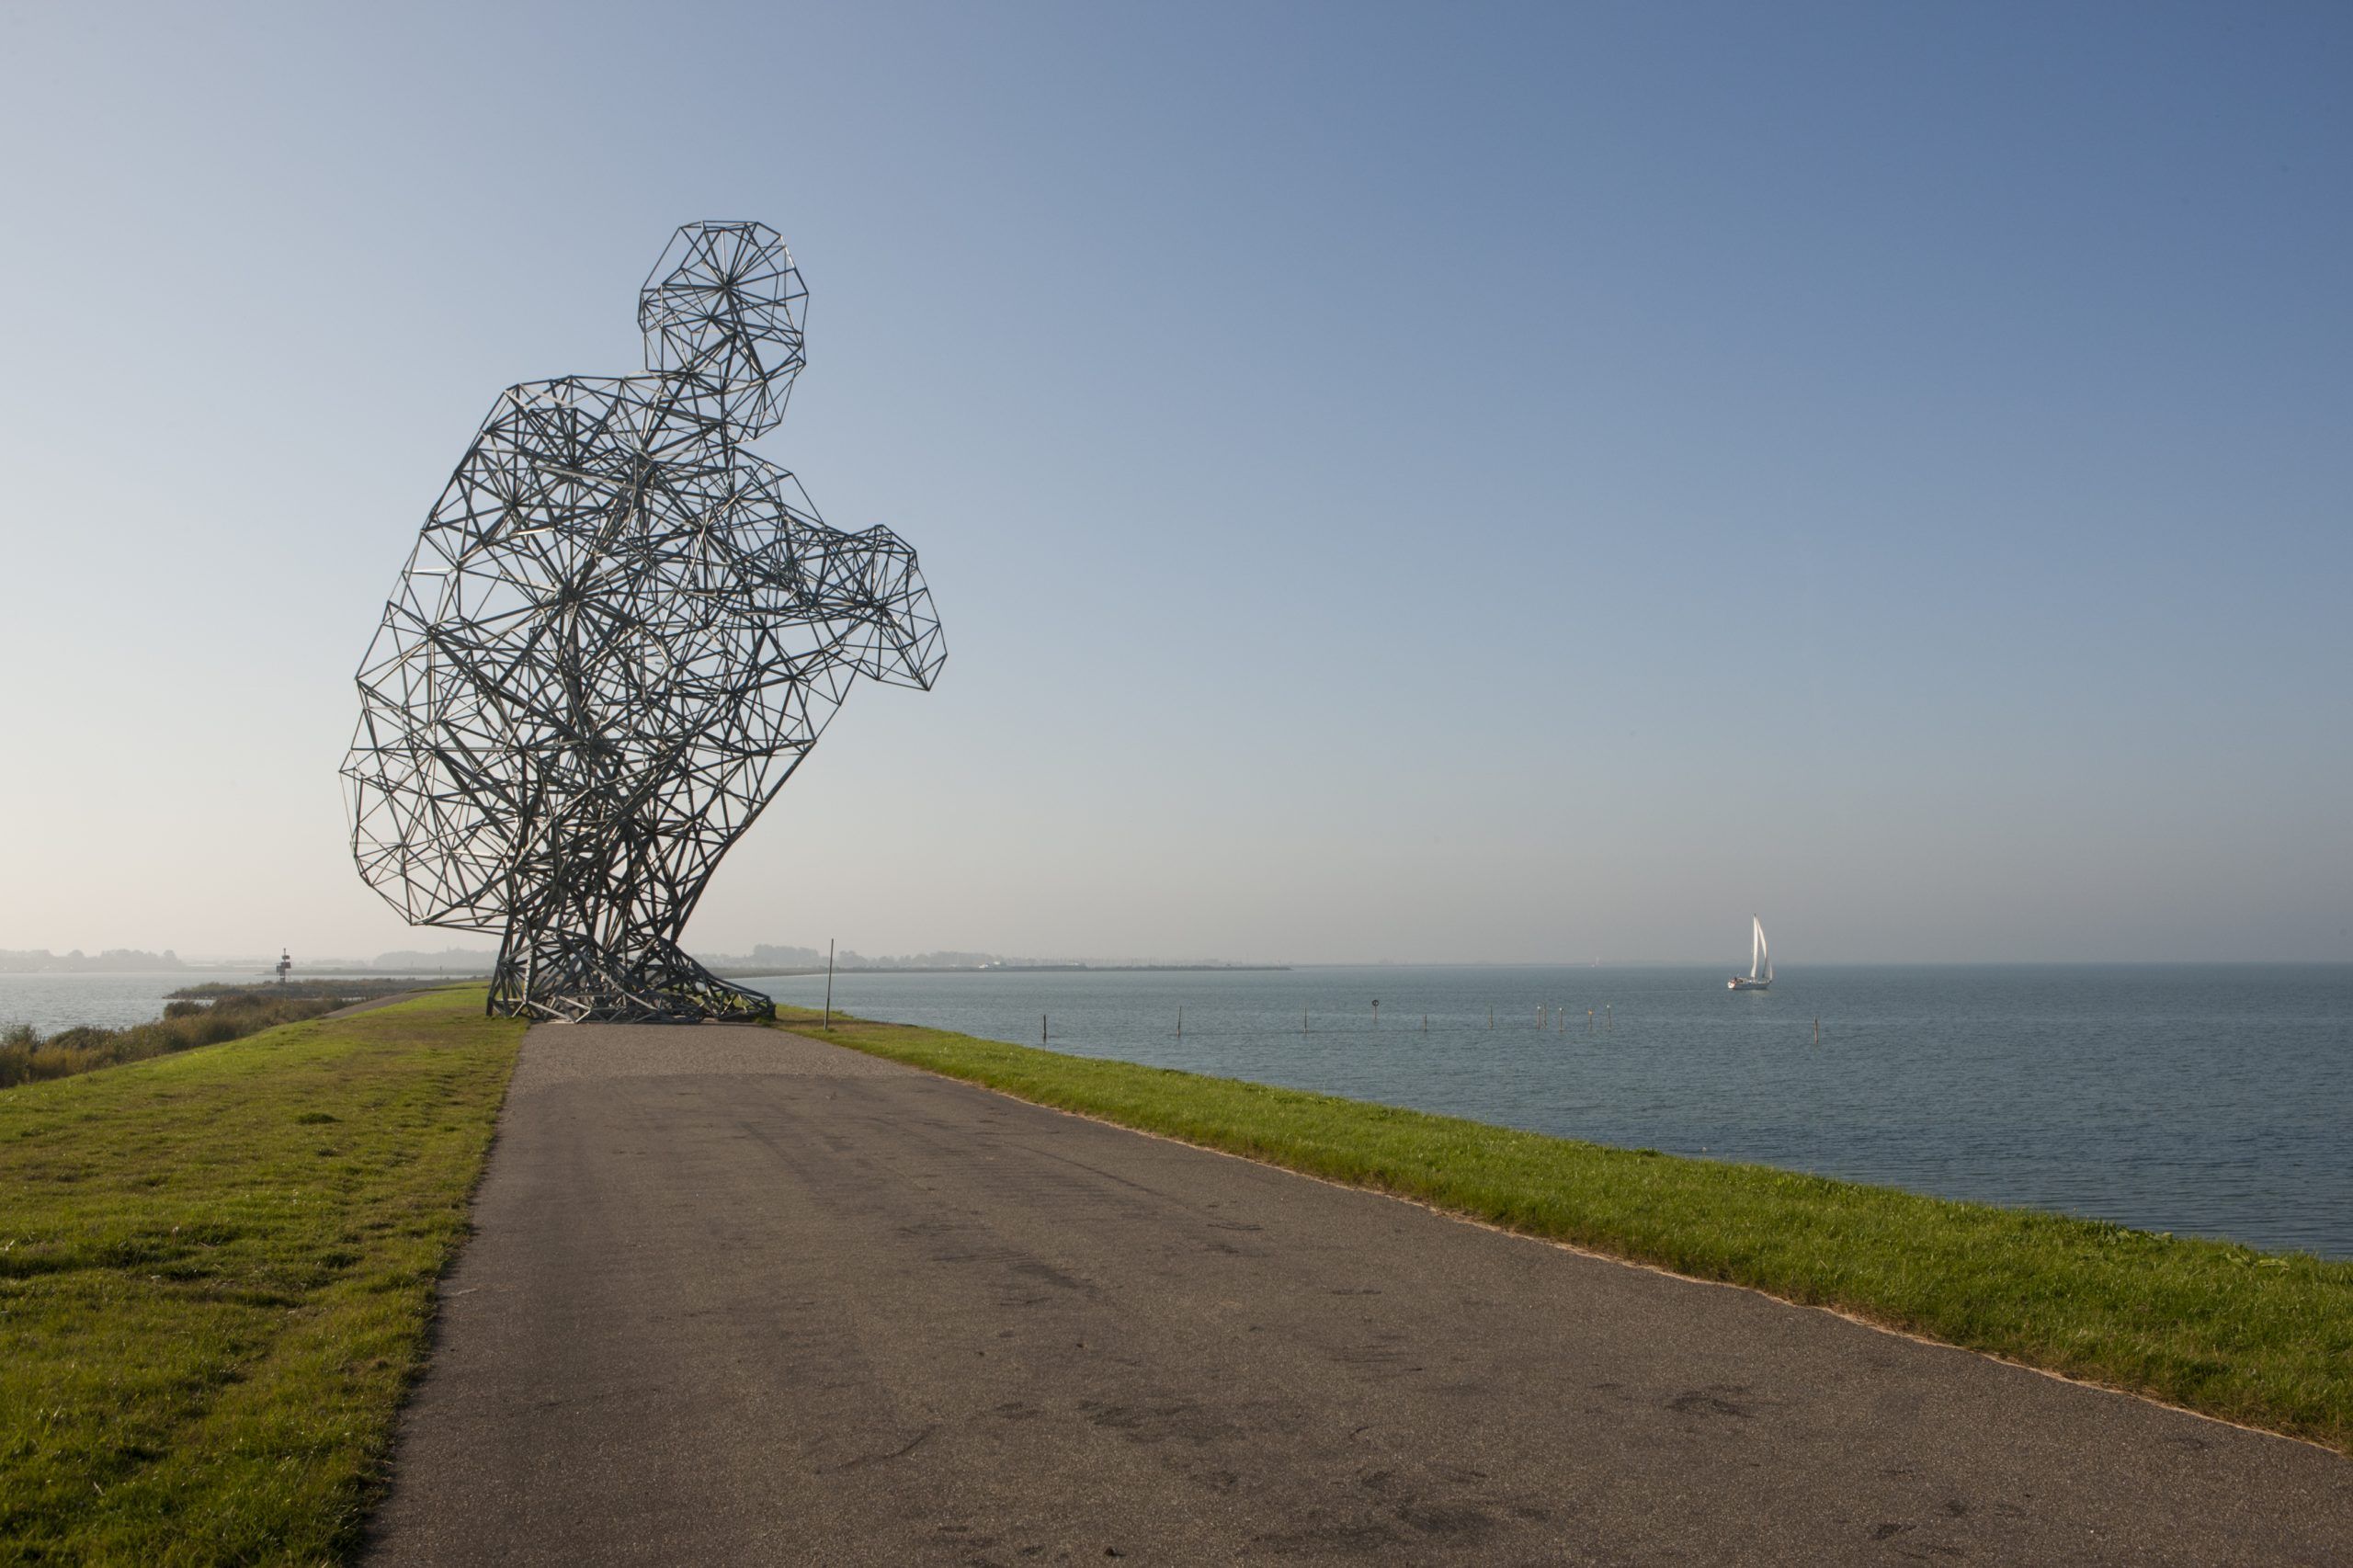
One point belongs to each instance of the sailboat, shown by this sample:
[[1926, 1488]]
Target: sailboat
[[1760, 961]]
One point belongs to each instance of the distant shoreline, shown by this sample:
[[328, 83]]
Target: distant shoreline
[[267, 971], [736, 972]]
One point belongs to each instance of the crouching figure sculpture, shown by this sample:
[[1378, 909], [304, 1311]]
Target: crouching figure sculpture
[[618, 635]]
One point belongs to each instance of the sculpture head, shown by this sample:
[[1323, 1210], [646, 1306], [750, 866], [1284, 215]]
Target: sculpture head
[[725, 304]]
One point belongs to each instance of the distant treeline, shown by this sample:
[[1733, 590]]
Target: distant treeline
[[135, 960], [114, 960], [467, 960], [26, 1054], [765, 959]]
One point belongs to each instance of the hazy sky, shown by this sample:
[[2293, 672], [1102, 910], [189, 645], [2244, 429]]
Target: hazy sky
[[1423, 483]]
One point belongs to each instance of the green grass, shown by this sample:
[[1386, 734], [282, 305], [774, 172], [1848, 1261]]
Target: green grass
[[216, 1272], [2262, 1339]]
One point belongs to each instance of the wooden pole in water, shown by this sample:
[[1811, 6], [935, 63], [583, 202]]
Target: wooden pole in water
[[1608, 1017], [829, 982], [1588, 1020], [1180, 1020], [1041, 1029], [1376, 1012], [1490, 1017], [1426, 1022], [1817, 1029]]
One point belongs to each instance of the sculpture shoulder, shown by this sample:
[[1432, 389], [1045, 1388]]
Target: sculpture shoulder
[[566, 407], [570, 426]]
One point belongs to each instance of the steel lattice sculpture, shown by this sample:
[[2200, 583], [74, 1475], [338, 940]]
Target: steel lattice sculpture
[[619, 634]]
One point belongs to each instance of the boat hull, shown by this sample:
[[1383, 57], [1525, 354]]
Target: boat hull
[[1741, 983]]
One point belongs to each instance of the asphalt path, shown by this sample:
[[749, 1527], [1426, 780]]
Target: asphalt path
[[736, 1297]]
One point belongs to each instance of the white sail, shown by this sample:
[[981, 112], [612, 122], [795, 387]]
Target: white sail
[[1760, 959]]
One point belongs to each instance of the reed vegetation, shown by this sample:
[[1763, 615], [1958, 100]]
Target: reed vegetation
[[27, 1056]]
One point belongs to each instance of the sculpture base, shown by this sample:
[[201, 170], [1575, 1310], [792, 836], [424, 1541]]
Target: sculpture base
[[580, 985]]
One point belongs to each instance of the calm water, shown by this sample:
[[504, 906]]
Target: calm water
[[53, 1002], [2212, 1100]]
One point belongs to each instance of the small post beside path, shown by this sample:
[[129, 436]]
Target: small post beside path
[[829, 982]]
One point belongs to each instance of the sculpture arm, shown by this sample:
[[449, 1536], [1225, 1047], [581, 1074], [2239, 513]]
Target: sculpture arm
[[870, 586], [864, 589]]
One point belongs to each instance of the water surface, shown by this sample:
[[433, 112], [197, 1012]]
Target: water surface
[[51, 1001], [2206, 1099]]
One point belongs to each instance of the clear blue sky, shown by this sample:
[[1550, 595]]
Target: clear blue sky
[[1421, 483]]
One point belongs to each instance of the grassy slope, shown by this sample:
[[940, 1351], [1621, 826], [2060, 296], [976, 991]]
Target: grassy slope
[[2260, 1340], [216, 1271]]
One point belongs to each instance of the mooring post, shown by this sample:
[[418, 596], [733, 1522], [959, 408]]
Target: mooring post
[[1588, 1020], [829, 982], [1426, 1022], [1376, 1012], [1041, 1029], [1180, 1020], [1490, 1017], [1608, 1017], [1817, 1029]]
